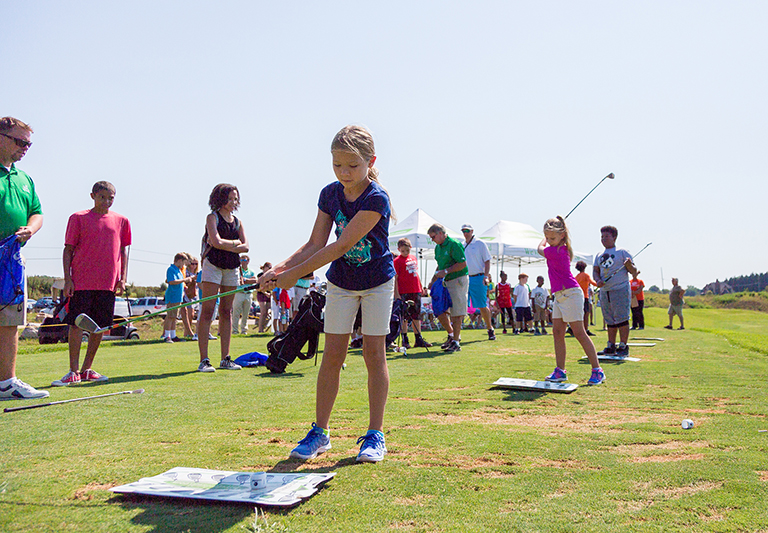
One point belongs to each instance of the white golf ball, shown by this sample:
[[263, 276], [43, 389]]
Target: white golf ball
[[343, 365], [687, 423]]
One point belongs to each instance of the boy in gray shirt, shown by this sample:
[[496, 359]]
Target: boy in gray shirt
[[611, 272]]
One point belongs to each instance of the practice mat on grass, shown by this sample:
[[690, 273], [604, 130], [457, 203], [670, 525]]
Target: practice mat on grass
[[282, 490], [533, 385], [645, 344]]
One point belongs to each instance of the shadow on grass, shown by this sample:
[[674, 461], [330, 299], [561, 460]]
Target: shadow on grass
[[291, 465], [142, 377], [166, 515], [284, 375], [616, 362], [520, 395]]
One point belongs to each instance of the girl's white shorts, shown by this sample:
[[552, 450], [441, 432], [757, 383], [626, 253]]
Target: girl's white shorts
[[341, 308], [569, 305]]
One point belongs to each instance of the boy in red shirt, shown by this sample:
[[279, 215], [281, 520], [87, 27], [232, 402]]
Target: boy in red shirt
[[95, 267], [408, 286]]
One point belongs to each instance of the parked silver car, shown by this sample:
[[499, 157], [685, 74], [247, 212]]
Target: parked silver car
[[147, 305]]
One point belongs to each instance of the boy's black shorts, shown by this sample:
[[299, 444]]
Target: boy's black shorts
[[523, 314], [99, 305]]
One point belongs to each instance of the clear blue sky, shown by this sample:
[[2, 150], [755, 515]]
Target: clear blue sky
[[481, 111]]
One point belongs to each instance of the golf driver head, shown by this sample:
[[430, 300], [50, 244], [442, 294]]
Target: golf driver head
[[86, 323]]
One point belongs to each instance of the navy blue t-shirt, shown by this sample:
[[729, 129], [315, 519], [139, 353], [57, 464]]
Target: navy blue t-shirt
[[369, 263]]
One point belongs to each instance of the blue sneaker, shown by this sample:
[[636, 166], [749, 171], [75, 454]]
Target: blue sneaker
[[315, 443], [372, 449], [597, 377], [558, 376]]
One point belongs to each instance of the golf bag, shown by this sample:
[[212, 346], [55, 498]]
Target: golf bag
[[305, 328], [54, 329]]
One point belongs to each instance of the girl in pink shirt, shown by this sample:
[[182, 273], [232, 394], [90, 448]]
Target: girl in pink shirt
[[568, 305]]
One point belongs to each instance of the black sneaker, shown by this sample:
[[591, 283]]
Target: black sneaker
[[356, 343], [608, 350], [421, 343], [591, 334], [447, 342], [622, 350], [453, 347], [491, 335]]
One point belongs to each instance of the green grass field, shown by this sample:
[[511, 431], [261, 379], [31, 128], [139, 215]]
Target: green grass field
[[463, 456]]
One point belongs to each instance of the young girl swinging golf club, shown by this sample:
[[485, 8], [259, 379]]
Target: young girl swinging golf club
[[568, 305], [361, 275]]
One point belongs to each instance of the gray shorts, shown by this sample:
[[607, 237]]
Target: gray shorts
[[675, 310], [615, 305]]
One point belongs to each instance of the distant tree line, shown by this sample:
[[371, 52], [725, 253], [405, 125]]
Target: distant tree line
[[39, 286], [753, 282]]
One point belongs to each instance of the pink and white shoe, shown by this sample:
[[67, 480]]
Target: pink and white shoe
[[92, 375], [73, 376]]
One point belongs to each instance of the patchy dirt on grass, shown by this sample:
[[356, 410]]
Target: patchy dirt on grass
[[419, 500], [566, 464], [85, 493], [675, 445], [421, 458], [593, 422], [763, 475], [669, 458], [671, 493], [413, 525]]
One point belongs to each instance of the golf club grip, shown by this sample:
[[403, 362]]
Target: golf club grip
[[23, 407]]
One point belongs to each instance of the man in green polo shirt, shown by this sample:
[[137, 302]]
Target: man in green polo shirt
[[20, 215], [452, 268]]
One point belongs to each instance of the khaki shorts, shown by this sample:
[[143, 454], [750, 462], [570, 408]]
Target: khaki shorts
[[675, 310], [458, 289], [226, 277], [341, 307], [569, 305]]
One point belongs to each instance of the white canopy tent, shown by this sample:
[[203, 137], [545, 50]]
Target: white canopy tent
[[414, 228], [517, 243]]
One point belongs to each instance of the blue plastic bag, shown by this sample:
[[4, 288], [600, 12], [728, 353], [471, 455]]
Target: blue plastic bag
[[11, 272], [252, 359], [441, 298]]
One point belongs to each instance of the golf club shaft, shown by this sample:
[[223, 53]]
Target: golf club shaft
[[644, 247], [23, 407], [638, 253], [611, 176], [241, 288]]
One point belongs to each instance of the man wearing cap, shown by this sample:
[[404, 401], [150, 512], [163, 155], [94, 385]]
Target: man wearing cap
[[20, 215], [479, 266]]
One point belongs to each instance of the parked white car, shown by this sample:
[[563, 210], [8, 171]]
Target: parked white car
[[147, 305], [122, 307]]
